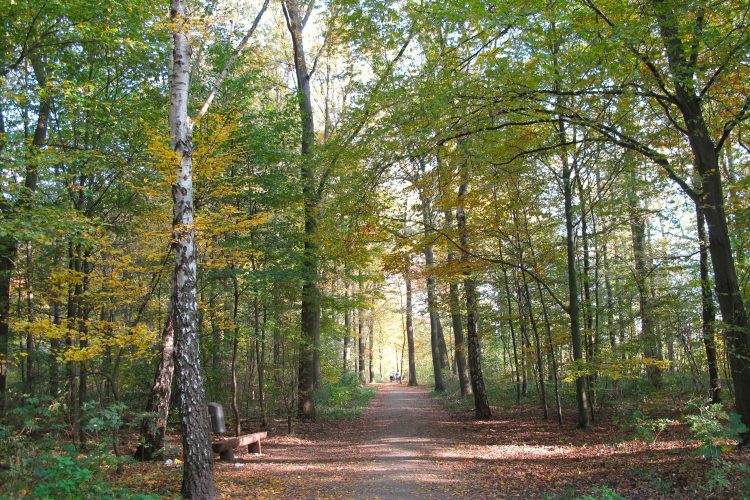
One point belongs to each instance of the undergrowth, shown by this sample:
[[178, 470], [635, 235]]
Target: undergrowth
[[344, 399], [38, 460]]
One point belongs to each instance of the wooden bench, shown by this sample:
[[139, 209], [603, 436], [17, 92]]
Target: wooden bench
[[226, 447]]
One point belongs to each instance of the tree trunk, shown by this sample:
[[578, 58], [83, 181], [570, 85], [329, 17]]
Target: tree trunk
[[361, 344], [154, 426], [83, 342], [347, 331], [588, 317], [197, 478], [310, 338], [509, 303], [7, 254], [55, 344], [30, 385], [260, 355], [708, 311], [71, 323], [706, 164], [235, 348], [8, 244], [573, 307], [410, 332], [459, 343], [481, 403], [648, 336], [371, 338], [538, 348]]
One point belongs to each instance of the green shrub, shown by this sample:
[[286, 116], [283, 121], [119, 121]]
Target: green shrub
[[713, 426], [344, 399], [710, 425], [632, 420], [39, 466]]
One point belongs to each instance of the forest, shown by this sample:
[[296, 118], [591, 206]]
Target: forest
[[417, 248]]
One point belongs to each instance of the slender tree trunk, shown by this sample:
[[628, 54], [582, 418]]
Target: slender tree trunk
[[588, 317], [197, 478], [459, 343], [260, 354], [347, 331], [8, 244], [371, 338], [573, 307], [154, 426], [539, 358], [7, 254], [553, 360], [71, 323], [708, 311], [55, 344], [30, 386], [648, 336], [439, 358], [512, 332], [481, 403], [83, 342], [410, 332], [235, 348], [361, 343]]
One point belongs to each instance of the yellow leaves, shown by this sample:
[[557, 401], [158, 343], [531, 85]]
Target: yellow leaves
[[44, 328], [227, 219]]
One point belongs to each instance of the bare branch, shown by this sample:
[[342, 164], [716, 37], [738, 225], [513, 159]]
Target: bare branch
[[231, 60]]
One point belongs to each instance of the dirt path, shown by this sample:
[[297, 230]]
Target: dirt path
[[398, 448]]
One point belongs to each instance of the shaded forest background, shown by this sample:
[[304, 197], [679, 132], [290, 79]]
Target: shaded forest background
[[541, 204]]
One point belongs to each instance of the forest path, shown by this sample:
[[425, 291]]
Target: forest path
[[400, 447], [407, 445]]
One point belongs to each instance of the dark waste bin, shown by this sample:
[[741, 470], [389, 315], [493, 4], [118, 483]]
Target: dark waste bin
[[216, 412]]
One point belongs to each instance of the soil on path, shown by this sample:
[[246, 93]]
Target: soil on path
[[400, 447]]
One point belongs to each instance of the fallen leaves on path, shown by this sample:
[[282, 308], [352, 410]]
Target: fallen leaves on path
[[406, 445]]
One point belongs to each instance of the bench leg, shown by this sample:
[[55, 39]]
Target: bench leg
[[227, 455], [254, 447]]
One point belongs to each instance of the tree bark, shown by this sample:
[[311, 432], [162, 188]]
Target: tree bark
[[235, 348], [648, 335], [482, 409], [347, 331], [459, 343], [371, 339], [197, 478], [361, 343], [260, 355], [410, 331], [310, 338], [706, 164], [154, 426], [573, 306], [509, 304], [708, 317], [8, 244]]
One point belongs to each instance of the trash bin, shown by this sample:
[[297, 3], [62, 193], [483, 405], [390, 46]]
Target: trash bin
[[216, 412]]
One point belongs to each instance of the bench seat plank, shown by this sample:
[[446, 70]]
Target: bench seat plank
[[225, 448]]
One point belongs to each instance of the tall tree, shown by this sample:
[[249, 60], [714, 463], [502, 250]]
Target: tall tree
[[310, 338], [482, 409], [197, 479]]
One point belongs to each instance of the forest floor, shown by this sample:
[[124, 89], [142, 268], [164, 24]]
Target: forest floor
[[406, 444]]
